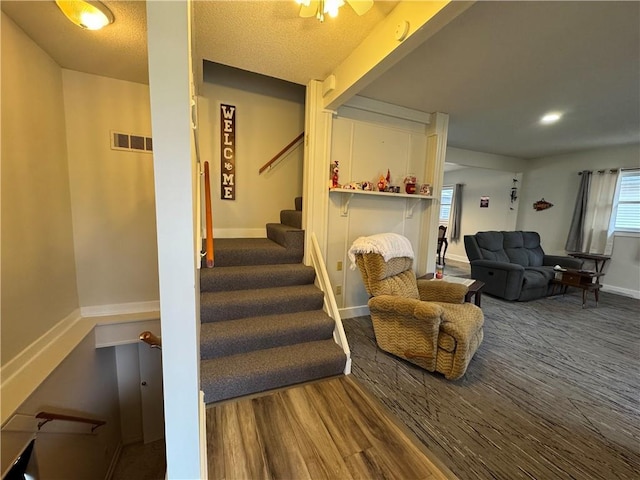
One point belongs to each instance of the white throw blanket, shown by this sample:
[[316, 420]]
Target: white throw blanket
[[389, 245]]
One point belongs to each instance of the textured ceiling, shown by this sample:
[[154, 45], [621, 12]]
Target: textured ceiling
[[117, 51], [266, 37], [495, 69], [269, 37]]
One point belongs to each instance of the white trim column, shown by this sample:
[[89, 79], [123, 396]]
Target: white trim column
[[315, 186], [434, 173], [169, 39]]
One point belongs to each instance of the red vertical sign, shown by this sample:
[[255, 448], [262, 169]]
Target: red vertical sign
[[228, 152]]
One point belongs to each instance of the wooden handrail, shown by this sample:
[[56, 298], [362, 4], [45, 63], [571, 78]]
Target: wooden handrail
[[209, 220], [280, 153], [49, 416], [150, 339]]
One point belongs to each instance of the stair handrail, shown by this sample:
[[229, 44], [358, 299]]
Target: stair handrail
[[277, 156], [150, 339], [331, 307], [209, 220], [47, 417]]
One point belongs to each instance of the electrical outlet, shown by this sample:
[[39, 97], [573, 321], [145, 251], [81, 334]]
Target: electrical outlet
[[339, 267], [338, 289]]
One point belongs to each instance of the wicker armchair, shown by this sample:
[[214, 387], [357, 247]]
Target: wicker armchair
[[425, 322]]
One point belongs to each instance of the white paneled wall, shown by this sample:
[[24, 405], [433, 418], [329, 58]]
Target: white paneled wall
[[366, 145]]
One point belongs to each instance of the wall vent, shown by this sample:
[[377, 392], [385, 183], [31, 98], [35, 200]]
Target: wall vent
[[131, 143]]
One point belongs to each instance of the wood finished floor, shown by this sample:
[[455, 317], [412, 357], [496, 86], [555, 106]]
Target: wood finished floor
[[331, 429]]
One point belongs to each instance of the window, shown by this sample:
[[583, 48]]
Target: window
[[627, 202], [445, 205]]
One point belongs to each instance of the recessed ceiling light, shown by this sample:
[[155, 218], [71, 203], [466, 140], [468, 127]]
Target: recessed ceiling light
[[552, 117]]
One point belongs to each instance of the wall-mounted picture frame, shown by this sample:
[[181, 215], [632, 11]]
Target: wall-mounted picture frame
[[484, 202]]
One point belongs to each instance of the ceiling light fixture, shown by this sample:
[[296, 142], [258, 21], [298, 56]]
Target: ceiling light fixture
[[549, 118], [320, 8], [86, 14]]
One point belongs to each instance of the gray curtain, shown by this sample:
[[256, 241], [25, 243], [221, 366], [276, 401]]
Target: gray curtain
[[575, 237], [456, 213]]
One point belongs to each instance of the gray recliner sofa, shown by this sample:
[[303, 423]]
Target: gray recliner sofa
[[513, 265]]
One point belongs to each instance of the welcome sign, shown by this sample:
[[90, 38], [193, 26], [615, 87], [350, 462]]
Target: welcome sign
[[228, 152]]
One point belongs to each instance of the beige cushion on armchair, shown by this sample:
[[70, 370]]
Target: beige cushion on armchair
[[424, 322]]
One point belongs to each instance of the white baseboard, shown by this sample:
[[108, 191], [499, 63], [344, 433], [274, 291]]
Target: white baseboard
[[627, 292], [120, 308], [27, 370], [24, 373], [20, 361], [240, 233], [352, 312]]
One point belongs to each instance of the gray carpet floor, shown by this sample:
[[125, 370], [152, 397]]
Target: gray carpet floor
[[552, 393]]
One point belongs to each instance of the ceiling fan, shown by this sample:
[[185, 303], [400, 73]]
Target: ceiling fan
[[318, 8]]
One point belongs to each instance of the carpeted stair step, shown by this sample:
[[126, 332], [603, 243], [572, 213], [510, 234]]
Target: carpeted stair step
[[292, 218], [246, 373], [290, 237], [219, 339], [298, 202], [219, 279], [220, 306], [252, 251]]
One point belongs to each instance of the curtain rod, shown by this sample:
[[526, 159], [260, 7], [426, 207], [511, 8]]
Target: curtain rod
[[612, 170]]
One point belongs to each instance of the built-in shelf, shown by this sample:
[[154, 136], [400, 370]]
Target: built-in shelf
[[379, 194], [348, 193]]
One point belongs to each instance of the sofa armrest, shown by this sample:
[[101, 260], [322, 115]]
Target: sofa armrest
[[501, 279], [441, 291], [563, 261]]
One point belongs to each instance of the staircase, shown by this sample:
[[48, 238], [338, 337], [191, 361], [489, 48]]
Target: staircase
[[263, 325]]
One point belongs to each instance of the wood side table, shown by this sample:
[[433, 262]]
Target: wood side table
[[474, 291], [596, 258], [585, 280]]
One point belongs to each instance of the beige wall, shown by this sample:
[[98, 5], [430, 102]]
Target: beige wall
[[38, 267], [556, 179], [112, 191], [264, 124], [498, 215]]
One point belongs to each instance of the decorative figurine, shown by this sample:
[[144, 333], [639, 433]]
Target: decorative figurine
[[410, 183], [382, 184], [425, 189], [335, 170]]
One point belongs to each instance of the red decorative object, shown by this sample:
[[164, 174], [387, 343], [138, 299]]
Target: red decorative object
[[335, 170], [542, 204], [410, 183], [382, 184]]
